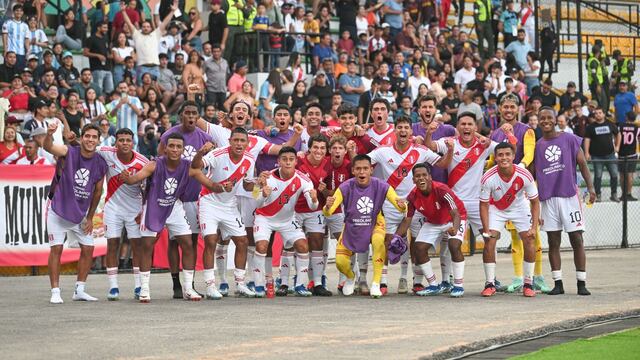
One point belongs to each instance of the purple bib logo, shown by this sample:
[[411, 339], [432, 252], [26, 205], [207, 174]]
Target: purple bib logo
[[82, 177], [189, 152], [364, 205], [552, 153], [170, 186]]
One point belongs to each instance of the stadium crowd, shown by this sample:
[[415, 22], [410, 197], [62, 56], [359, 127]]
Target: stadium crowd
[[398, 76]]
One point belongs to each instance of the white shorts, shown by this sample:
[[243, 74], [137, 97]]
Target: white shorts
[[416, 224], [247, 210], [335, 223], [290, 232], [191, 211], [392, 217], [560, 214], [312, 222], [473, 215], [432, 233], [213, 218], [117, 219], [520, 218], [176, 223], [58, 228]]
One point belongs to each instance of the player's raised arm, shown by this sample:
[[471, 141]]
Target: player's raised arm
[[197, 162], [144, 173], [445, 160], [332, 203], [205, 181], [275, 148], [49, 146]]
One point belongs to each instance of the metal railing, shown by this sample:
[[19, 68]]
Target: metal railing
[[252, 46]]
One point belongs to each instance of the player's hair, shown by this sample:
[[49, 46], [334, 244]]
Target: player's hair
[[346, 108], [503, 145], [547, 108], [189, 103], [314, 105], [468, 114], [428, 97], [89, 127], [176, 136], [287, 149], [282, 107], [124, 131], [318, 138], [239, 130], [420, 166], [361, 157], [402, 119], [379, 100], [338, 139], [233, 105]]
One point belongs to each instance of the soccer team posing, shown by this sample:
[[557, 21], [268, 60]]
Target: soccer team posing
[[400, 190]]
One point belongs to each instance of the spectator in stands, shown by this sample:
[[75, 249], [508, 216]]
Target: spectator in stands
[[8, 70], [596, 77], [547, 48], [168, 86], [93, 108], [532, 72], [568, 97], [10, 147], [298, 99], [547, 96], [106, 138], [624, 102], [148, 145], [520, 49], [599, 147], [37, 38], [415, 80], [484, 27], [577, 118], [323, 17], [67, 74], [40, 110], [86, 83], [69, 33], [247, 95], [194, 29], [627, 143], [120, 51], [126, 8], [406, 109], [217, 25], [216, 69], [508, 23], [322, 91], [623, 69], [72, 112], [562, 124], [464, 75], [15, 36], [527, 22], [348, 10], [351, 85], [468, 105], [323, 51], [152, 101], [193, 78], [97, 50], [238, 78], [18, 95], [127, 109]]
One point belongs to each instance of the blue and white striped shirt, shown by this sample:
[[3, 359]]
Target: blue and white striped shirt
[[16, 34], [34, 36], [126, 117]]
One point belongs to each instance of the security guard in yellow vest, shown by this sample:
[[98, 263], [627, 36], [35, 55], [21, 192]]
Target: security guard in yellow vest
[[484, 29], [595, 77], [623, 69], [235, 10]]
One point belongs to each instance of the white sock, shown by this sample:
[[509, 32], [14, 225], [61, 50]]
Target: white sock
[[80, 286], [145, 276], [268, 268], [209, 276], [489, 273], [418, 274], [239, 274], [286, 262], [251, 250], [383, 278], [363, 264], [187, 275], [458, 273], [136, 276], [55, 290], [581, 275], [556, 275], [404, 264], [317, 264], [445, 260], [528, 272], [221, 263], [258, 268], [427, 270], [112, 275], [302, 268]]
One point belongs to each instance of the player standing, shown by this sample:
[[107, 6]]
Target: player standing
[[167, 182], [122, 206], [362, 199], [444, 218], [228, 166], [275, 212], [557, 154], [394, 164], [502, 199], [74, 195], [194, 139]]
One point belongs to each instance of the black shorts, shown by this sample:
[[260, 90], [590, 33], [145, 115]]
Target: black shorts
[[630, 166]]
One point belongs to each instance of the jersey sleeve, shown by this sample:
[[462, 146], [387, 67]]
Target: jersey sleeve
[[216, 133], [430, 156], [264, 145], [447, 195], [375, 156], [209, 161], [485, 190], [307, 186], [530, 187], [336, 203]]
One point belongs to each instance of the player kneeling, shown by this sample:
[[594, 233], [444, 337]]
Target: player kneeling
[[362, 198], [502, 199], [275, 212], [445, 215]]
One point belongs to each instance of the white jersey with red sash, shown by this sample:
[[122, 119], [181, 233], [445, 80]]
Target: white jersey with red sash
[[279, 205], [508, 195], [465, 170], [385, 137], [220, 168], [120, 196]]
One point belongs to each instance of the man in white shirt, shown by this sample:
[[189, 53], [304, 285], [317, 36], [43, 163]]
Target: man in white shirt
[[464, 75]]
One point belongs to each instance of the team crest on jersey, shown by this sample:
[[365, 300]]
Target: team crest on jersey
[[516, 186], [226, 168], [477, 151], [341, 177], [437, 205], [293, 187], [390, 161], [411, 159]]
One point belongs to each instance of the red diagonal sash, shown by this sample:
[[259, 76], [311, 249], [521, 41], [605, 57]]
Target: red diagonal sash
[[114, 183], [509, 196], [282, 200], [237, 175], [404, 168], [459, 170]]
